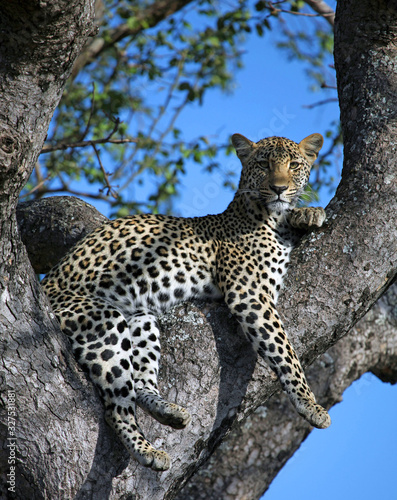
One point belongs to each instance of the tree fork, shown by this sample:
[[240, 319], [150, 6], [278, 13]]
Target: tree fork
[[335, 276]]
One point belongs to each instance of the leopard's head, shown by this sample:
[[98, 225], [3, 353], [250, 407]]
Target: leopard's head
[[276, 170]]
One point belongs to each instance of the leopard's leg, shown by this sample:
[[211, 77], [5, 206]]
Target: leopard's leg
[[145, 337], [263, 327], [101, 343]]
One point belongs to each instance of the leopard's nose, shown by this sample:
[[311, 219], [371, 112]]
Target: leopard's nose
[[278, 189]]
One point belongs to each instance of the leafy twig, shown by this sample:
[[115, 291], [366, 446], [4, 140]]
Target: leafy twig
[[105, 175], [84, 144], [87, 128], [320, 103], [144, 18]]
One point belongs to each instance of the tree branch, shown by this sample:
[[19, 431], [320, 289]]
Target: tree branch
[[84, 144], [50, 227], [323, 9], [320, 103], [81, 144], [145, 18], [251, 456]]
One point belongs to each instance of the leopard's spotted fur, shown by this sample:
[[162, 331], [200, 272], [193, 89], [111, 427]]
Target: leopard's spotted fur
[[107, 291]]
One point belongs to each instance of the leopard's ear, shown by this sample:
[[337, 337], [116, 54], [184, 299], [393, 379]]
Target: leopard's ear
[[242, 145], [311, 145]]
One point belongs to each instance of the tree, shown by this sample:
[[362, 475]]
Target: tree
[[345, 268]]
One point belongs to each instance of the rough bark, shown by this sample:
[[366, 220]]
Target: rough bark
[[38, 44], [50, 227], [335, 277]]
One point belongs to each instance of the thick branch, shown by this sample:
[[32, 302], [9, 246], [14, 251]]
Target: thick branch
[[52, 226], [253, 453]]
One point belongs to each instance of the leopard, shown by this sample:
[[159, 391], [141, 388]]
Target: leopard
[[109, 290]]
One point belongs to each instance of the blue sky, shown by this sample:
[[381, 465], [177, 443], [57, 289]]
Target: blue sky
[[355, 458]]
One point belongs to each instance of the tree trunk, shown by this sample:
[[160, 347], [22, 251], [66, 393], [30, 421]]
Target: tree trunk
[[48, 412], [336, 275]]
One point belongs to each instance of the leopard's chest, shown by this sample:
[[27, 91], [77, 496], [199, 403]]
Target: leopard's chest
[[267, 253]]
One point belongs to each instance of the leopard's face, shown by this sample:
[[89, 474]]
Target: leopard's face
[[276, 170]]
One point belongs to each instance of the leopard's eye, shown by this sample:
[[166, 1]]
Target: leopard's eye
[[294, 165], [263, 164]]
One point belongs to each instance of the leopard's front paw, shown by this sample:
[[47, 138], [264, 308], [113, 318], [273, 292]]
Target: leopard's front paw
[[315, 414], [307, 217]]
